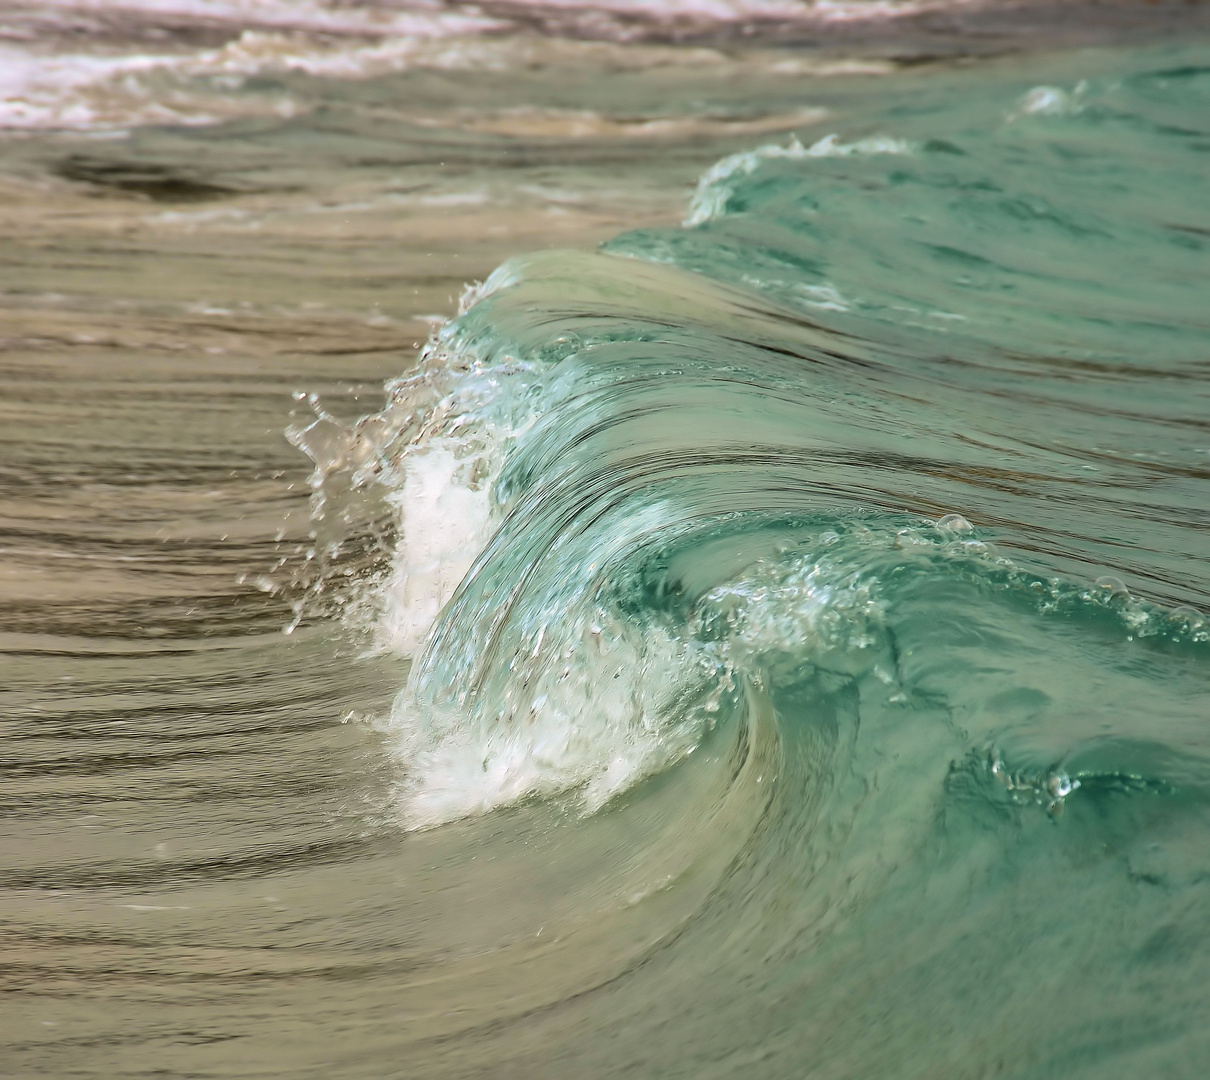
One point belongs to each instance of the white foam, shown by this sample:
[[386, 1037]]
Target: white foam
[[445, 520], [310, 16], [107, 89], [714, 188], [594, 707], [733, 11], [1049, 101], [703, 10], [437, 449], [810, 605], [595, 702], [854, 10], [50, 91]]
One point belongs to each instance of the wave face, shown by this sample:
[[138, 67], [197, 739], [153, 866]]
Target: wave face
[[867, 510]]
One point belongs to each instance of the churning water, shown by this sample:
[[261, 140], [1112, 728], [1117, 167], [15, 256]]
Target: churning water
[[772, 644]]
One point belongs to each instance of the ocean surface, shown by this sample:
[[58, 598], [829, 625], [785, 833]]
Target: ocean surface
[[560, 540]]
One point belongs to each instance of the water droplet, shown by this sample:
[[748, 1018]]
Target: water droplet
[[1060, 785], [1114, 585], [955, 523]]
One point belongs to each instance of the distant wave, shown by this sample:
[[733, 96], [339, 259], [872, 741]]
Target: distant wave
[[109, 65]]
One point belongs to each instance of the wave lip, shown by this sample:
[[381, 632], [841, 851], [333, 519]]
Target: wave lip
[[628, 582], [656, 492], [709, 200]]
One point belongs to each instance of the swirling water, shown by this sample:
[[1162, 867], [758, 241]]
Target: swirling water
[[771, 645], [894, 510]]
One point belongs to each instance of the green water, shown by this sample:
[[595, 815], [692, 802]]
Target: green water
[[880, 486]]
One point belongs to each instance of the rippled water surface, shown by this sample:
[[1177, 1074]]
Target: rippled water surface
[[761, 633]]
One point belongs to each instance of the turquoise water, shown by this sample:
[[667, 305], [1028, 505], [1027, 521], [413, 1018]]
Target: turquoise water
[[856, 529]]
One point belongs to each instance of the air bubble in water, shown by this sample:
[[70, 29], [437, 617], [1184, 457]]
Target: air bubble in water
[[955, 523], [1184, 615], [1060, 785], [1113, 585]]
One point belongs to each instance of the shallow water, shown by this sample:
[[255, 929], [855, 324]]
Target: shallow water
[[771, 644]]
